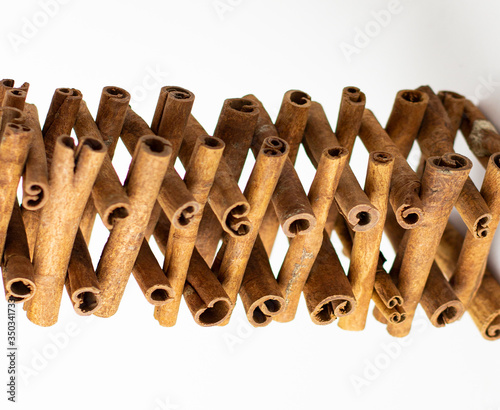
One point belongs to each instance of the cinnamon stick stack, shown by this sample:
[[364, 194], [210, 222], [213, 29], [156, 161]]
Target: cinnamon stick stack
[[217, 238]]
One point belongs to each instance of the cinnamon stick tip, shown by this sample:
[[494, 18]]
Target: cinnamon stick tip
[[298, 98], [335, 152], [178, 93], [212, 142], [413, 97], [19, 290], [159, 295], [332, 307], [156, 146], [363, 217], [184, 215], [86, 300], [35, 195], [71, 93], [217, 312], [299, 224], [491, 328], [114, 213], [382, 157], [409, 217], [243, 105], [450, 94], [115, 93], [261, 312], [275, 147], [448, 313], [354, 95]]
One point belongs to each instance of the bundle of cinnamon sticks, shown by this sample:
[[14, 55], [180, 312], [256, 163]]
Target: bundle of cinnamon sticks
[[217, 238]]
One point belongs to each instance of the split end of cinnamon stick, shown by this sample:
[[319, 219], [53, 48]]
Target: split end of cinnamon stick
[[86, 301], [261, 312], [331, 308]]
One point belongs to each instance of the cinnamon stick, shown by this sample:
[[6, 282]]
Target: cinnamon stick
[[327, 291], [199, 178], [454, 104], [13, 152], [71, 176], [405, 118], [35, 176], [228, 206], [474, 252], [352, 105], [405, 184], [147, 170], [350, 199], [175, 199], [435, 138], [442, 182], [81, 282], [17, 269], [206, 299], [236, 251], [7, 85], [304, 249], [290, 207], [365, 250]]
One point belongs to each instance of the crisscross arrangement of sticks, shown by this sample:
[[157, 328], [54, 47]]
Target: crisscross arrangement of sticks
[[217, 239]]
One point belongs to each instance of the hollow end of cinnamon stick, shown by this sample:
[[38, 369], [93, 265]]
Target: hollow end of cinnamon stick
[[114, 213], [215, 313], [159, 295], [236, 222], [447, 313], [331, 308], [299, 224], [183, 216], [261, 312], [20, 290], [86, 300], [363, 217], [34, 195], [409, 217]]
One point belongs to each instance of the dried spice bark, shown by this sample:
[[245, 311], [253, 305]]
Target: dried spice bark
[[442, 182], [199, 178], [290, 207], [17, 270], [365, 250], [435, 138], [72, 173], [350, 199], [304, 249], [147, 170], [405, 184]]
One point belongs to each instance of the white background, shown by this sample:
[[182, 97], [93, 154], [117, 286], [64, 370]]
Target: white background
[[222, 49]]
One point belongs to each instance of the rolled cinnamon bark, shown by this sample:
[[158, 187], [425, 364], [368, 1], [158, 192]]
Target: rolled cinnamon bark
[[405, 119], [387, 298], [352, 106], [442, 182], [485, 306], [259, 292], [435, 138], [147, 170], [206, 299], [171, 116], [204, 295], [15, 98], [199, 178], [481, 135], [8, 84], [108, 194], [153, 283], [175, 199], [454, 104], [439, 301], [405, 184], [35, 176], [17, 269], [71, 176], [290, 207], [350, 199], [113, 106], [327, 291], [81, 282], [386, 295], [13, 152], [236, 251], [474, 252], [366, 245], [61, 118], [304, 249], [228, 206]]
